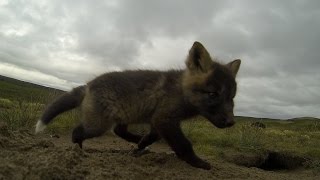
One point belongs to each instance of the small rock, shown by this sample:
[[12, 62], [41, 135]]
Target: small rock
[[4, 129], [54, 136], [45, 144]]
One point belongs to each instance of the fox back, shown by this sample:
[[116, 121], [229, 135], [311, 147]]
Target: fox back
[[133, 96]]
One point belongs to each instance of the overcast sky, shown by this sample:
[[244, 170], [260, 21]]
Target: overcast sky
[[65, 43]]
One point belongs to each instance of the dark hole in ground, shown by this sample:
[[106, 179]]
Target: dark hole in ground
[[281, 161], [270, 161]]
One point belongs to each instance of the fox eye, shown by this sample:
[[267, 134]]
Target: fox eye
[[213, 94]]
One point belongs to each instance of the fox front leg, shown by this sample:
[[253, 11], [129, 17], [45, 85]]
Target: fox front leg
[[146, 140], [172, 133]]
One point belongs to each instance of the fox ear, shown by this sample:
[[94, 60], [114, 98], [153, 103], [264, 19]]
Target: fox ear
[[234, 66], [199, 59]]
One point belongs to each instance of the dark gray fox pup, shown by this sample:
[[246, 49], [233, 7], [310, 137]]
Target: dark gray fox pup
[[160, 98]]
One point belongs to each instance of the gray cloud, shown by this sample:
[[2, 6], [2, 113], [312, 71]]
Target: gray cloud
[[65, 43]]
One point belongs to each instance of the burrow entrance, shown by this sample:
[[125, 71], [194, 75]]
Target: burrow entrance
[[281, 161], [270, 161]]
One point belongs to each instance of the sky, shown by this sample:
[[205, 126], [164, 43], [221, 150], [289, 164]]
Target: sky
[[66, 43]]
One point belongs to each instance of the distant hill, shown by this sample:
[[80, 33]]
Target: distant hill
[[303, 119], [270, 119], [14, 89], [254, 118]]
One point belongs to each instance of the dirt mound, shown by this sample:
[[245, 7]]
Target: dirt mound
[[26, 156]]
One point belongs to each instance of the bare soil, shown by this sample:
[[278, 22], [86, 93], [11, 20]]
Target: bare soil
[[27, 156]]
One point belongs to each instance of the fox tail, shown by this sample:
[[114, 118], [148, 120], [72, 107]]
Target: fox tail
[[65, 102]]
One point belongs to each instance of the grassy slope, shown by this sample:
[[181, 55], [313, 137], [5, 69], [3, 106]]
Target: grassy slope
[[21, 104], [16, 90]]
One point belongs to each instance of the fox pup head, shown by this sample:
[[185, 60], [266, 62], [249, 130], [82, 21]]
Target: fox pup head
[[210, 87]]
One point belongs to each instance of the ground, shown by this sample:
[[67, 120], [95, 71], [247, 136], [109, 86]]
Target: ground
[[24, 155]]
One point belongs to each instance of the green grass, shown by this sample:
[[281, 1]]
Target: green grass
[[24, 114], [21, 105], [242, 136], [297, 138], [64, 122]]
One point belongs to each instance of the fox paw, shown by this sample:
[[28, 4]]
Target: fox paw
[[203, 165], [199, 163], [139, 152]]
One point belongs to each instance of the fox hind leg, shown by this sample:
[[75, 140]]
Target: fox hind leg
[[78, 135], [93, 125], [81, 133]]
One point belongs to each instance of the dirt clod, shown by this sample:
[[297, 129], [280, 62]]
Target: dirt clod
[[4, 129], [45, 144]]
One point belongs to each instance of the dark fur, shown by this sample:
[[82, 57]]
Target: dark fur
[[161, 99]]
